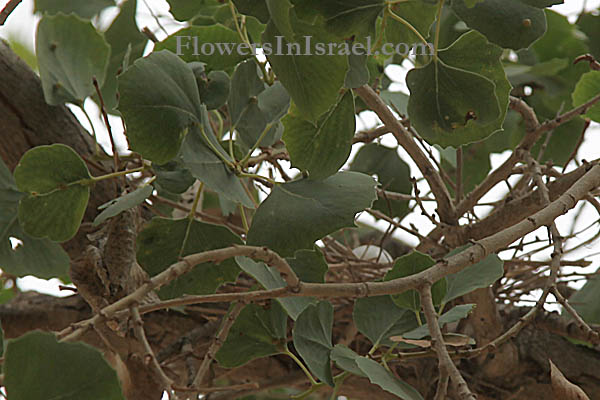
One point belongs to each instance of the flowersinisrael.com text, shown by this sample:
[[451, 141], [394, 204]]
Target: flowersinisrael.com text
[[191, 45]]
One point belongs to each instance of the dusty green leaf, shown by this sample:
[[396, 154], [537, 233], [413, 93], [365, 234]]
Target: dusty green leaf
[[120, 204], [164, 241], [257, 332], [159, 103], [312, 339], [216, 45], [324, 148], [345, 358], [479, 275], [508, 23], [270, 278], [393, 174], [298, 213], [455, 314], [65, 371], [313, 81], [85, 9], [38, 257], [587, 88], [70, 54], [378, 375], [55, 180], [379, 317], [411, 264]]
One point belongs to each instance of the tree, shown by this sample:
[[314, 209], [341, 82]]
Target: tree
[[262, 288]]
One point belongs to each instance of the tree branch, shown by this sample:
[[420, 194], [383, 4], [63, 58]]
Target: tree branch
[[445, 207]]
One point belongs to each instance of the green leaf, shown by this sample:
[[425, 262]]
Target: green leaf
[[476, 276], [393, 174], [257, 332], [127, 44], [66, 371], [324, 148], [38, 257], [206, 166], [587, 88], [280, 15], [253, 105], [351, 17], [445, 99], [296, 214], [85, 9], [411, 264], [397, 100], [313, 81], [508, 23], [586, 301], [378, 375], [415, 12], [55, 200], [309, 265], [70, 54], [590, 25], [358, 72], [542, 3], [270, 278], [214, 89], [184, 10], [216, 45], [472, 52], [455, 314], [255, 8], [379, 317], [120, 204], [345, 358], [164, 241], [159, 102], [312, 339], [173, 177]]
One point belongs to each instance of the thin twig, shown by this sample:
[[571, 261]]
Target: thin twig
[[446, 365], [217, 343], [149, 357], [445, 206], [8, 8], [105, 116]]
